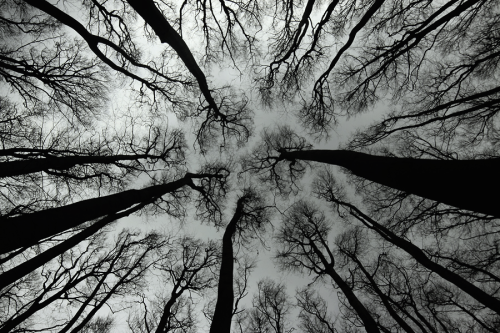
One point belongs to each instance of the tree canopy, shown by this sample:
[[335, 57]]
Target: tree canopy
[[354, 145]]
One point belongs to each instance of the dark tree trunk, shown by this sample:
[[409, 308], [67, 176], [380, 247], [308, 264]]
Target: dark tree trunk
[[365, 316], [156, 20], [16, 168], [26, 267], [223, 313], [167, 312], [384, 298], [466, 184], [479, 295], [27, 230]]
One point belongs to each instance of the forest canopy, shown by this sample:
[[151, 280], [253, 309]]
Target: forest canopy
[[304, 166]]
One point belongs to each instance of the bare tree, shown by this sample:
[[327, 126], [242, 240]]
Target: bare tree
[[188, 267], [270, 309], [428, 178], [249, 220], [90, 209], [84, 279], [328, 192], [314, 316], [304, 247]]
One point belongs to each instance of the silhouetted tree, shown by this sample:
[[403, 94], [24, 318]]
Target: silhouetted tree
[[249, 220], [459, 183], [84, 279], [304, 247], [329, 193], [270, 309], [188, 267]]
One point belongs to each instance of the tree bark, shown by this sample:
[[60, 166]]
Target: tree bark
[[26, 267], [465, 184], [27, 230], [16, 168], [223, 313]]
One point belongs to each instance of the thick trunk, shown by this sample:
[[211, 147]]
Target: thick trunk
[[27, 230], [16, 168], [26, 267], [223, 313], [466, 184]]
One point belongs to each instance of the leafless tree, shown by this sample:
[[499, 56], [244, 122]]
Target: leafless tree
[[188, 267], [77, 284]]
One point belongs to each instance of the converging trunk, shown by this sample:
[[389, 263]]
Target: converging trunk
[[28, 229], [22, 167], [475, 292], [223, 313], [32, 264], [465, 184], [365, 316]]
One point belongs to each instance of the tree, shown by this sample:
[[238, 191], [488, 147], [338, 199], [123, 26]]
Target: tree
[[114, 108], [90, 209], [329, 192], [270, 308], [189, 267], [82, 279], [428, 178], [313, 314], [303, 239], [249, 220]]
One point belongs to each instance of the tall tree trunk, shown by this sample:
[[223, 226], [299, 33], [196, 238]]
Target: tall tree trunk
[[466, 184], [223, 313], [479, 295], [148, 10], [365, 316], [26, 267], [27, 230], [16, 168]]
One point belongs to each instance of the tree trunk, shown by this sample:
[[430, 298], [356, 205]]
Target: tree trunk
[[156, 20], [479, 295], [26, 267], [22, 167], [223, 313], [27, 230], [465, 184], [365, 316], [384, 298]]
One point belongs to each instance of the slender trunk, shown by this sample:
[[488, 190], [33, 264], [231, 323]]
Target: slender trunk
[[223, 313], [26, 267], [123, 280], [479, 295], [368, 321], [385, 299], [41, 302], [365, 316], [29, 229], [22, 167], [466, 184], [167, 313]]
